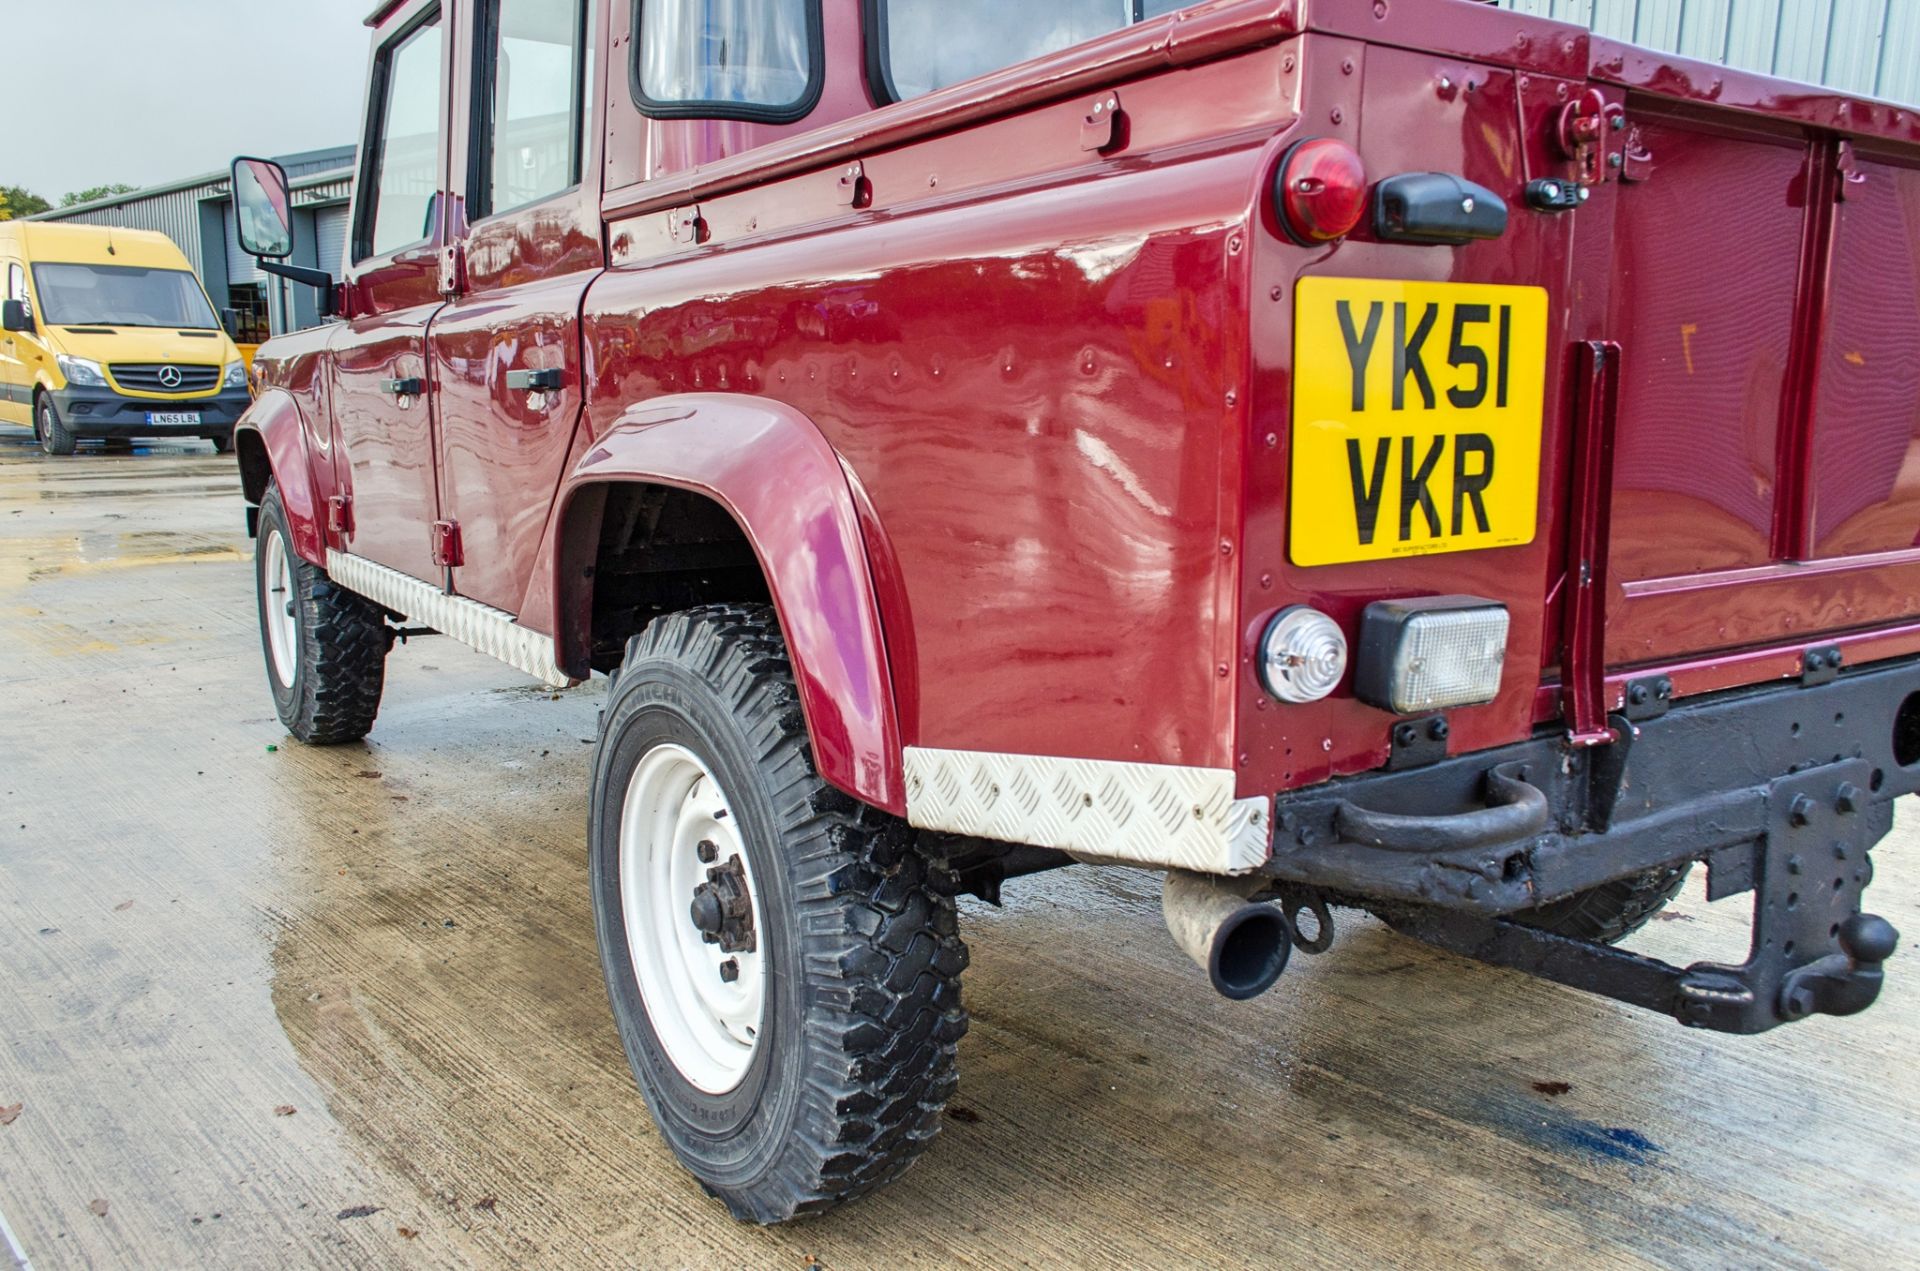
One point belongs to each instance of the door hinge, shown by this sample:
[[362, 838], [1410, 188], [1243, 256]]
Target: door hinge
[[340, 513], [453, 269], [856, 191], [447, 551], [1847, 163]]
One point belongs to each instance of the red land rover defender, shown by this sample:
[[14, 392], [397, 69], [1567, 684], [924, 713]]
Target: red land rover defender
[[1394, 454]]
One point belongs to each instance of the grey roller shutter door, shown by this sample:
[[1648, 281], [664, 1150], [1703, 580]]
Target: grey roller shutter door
[[241, 268], [330, 238]]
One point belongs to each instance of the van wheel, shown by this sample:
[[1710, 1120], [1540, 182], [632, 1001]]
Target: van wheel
[[53, 434], [222, 442], [326, 647], [782, 963], [1612, 911]]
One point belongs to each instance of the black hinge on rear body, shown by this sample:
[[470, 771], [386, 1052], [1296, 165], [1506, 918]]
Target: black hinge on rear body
[[1648, 698], [1821, 665]]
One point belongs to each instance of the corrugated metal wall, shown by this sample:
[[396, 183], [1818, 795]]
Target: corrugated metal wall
[[175, 213], [1870, 47]]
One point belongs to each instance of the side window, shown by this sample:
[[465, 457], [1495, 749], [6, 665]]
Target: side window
[[17, 286], [727, 59], [528, 116], [402, 173], [917, 46]]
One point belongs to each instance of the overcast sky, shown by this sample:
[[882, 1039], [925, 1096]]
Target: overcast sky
[[145, 91]]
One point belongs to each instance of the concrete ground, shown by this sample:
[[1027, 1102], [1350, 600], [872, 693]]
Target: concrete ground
[[264, 1004]]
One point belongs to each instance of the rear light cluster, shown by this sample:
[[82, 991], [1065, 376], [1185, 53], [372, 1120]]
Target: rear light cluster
[[1320, 191]]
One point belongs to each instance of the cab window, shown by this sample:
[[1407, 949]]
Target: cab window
[[402, 173], [917, 46], [727, 59], [121, 296], [528, 112], [17, 286]]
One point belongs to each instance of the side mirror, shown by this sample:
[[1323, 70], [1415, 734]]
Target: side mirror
[[230, 323], [262, 210], [14, 316]]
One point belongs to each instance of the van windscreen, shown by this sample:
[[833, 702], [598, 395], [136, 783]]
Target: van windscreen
[[121, 296]]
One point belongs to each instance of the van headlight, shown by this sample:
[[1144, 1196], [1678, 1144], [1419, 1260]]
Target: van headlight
[[1302, 655], [1431, 653], [81, 372], [235, 376]]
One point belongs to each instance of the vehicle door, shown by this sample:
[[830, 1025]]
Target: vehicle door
[[17, 348], [504, 354], [382, 404]]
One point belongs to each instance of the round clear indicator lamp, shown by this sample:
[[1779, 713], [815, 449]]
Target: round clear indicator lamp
[[1302, 655]]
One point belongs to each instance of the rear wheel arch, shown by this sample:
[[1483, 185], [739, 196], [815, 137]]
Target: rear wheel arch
[[711, 499]]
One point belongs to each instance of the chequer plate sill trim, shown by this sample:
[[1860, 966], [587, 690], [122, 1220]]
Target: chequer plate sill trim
[[491, 631], [1148, 814]]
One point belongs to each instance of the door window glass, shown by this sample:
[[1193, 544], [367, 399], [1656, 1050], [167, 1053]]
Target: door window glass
[[403, 174], [532, 131], [745, 58], [929, 44], [17, 286]]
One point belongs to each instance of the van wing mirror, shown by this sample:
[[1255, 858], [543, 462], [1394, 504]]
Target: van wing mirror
[[262, 209], [14, 316]]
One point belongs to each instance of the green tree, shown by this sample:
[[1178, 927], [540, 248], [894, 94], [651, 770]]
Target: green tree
[[17, 200], [88, 195]]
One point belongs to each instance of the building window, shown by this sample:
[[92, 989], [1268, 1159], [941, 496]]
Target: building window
[[529, 126], [727, 59], [403, 161], [248, 300], [918, 46]]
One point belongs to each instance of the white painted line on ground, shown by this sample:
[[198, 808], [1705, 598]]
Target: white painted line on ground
[[18, 1254]]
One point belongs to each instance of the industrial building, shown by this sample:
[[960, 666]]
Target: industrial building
[[197, 214], [1869, 47]]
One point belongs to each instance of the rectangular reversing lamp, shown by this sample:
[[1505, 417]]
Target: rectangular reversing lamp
[[1430, 653]]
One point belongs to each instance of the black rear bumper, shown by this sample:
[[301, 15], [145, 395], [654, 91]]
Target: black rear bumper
[[1781, 791]]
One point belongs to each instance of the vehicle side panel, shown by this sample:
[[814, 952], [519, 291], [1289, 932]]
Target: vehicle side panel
[[1033, 381]]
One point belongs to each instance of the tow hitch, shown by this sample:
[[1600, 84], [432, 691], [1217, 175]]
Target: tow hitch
[[1813, 951]]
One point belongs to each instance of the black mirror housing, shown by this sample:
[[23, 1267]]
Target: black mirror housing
[[262, 208], [14, 316]]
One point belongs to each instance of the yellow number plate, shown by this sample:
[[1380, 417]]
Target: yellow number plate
[[1416, 417]]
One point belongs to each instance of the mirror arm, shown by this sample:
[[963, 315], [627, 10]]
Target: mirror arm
[[318, 278]]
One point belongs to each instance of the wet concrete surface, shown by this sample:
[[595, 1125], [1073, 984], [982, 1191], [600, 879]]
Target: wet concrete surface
[[265, 1004]]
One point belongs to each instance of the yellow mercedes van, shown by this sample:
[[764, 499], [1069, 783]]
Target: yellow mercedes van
[[106, 334]]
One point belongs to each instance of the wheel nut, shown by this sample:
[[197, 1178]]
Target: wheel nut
[[707, 851], [730, 970], [1800, 811], [1848, 797]]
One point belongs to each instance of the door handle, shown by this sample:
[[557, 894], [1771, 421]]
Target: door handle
[[408, 386], [529, 381]]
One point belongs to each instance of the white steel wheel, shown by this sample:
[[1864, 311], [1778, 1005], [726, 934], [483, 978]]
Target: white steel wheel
[[695, 932], [278, 613]]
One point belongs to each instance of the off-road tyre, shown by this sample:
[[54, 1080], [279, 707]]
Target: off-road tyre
[[855, 1056], [342, 638], [55, 438], [1612, 911]]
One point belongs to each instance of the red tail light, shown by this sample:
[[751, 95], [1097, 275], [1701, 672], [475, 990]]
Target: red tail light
[[1320, 190]]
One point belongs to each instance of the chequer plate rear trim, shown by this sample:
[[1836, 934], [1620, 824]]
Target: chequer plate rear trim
[[1149, 814]]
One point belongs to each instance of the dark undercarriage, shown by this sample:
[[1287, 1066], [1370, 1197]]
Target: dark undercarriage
[[1782, 791]]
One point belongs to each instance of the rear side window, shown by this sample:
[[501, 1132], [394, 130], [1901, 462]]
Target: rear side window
[[917, 46], [727, 59], [528, 126], [403, 168]]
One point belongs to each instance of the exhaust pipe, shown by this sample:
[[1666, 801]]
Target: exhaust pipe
[[1241, 945]]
